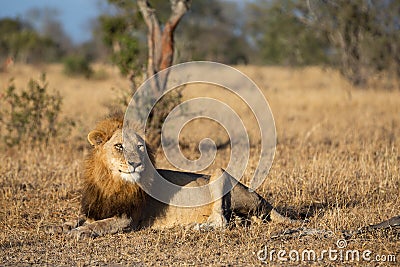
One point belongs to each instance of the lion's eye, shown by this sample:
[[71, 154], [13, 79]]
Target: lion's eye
[[141, 147], [119, 147]]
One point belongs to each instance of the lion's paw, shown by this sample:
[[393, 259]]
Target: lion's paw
[[209, 226], [82, 232], [217, 220]]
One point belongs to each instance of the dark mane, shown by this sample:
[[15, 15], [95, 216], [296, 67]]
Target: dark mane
[[103, 194]]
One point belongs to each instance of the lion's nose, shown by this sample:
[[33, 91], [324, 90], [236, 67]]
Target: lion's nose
[[134, 164]]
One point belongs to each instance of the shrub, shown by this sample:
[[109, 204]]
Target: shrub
[[31, 115], [77, 65]]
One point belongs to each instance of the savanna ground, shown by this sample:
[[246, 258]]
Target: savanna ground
[[337, 161]]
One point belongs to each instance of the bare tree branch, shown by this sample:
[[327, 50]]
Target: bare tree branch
[[161, 43], [178, 8], [153, 36]]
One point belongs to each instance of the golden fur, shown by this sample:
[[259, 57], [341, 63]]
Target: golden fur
[[113, 201], [104, 194]]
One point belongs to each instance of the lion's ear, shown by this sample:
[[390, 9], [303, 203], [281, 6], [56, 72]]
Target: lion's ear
[[95, 137]]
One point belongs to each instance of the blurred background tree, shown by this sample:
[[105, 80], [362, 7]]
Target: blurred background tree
[[20, 40], [214, 30], [364, 35], [121, 30]]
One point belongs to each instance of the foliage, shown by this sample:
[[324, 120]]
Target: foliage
[[45, 21], [219, 25], [360, 37], [124, 45], [365, 35], [119, 37], [77, 65], [20, 40], [282, 38], [31, 115]]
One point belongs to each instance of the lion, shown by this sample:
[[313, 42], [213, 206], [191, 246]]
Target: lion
[[113, 200]]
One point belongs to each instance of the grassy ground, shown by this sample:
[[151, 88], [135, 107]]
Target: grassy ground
[[337, 161]]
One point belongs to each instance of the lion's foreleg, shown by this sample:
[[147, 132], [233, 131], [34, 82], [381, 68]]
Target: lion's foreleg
[[220, 207], [102, 227], [68, 226]]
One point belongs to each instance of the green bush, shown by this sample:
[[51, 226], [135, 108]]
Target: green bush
[[77, 65], [31, 115]]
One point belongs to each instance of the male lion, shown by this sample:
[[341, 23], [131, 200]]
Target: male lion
[[113, 201]]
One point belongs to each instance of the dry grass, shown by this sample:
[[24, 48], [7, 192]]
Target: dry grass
[[337, 161]]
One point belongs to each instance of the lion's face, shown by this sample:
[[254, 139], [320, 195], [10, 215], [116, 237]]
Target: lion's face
[[125, 159]]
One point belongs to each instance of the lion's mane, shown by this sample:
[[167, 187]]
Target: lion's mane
[[105, 195]]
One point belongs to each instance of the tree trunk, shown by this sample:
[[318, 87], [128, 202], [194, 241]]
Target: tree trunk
[[160, 57], [161, 43]]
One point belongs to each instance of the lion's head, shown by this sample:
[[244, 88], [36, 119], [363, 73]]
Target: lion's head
[[113, 169], [125, 159]]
